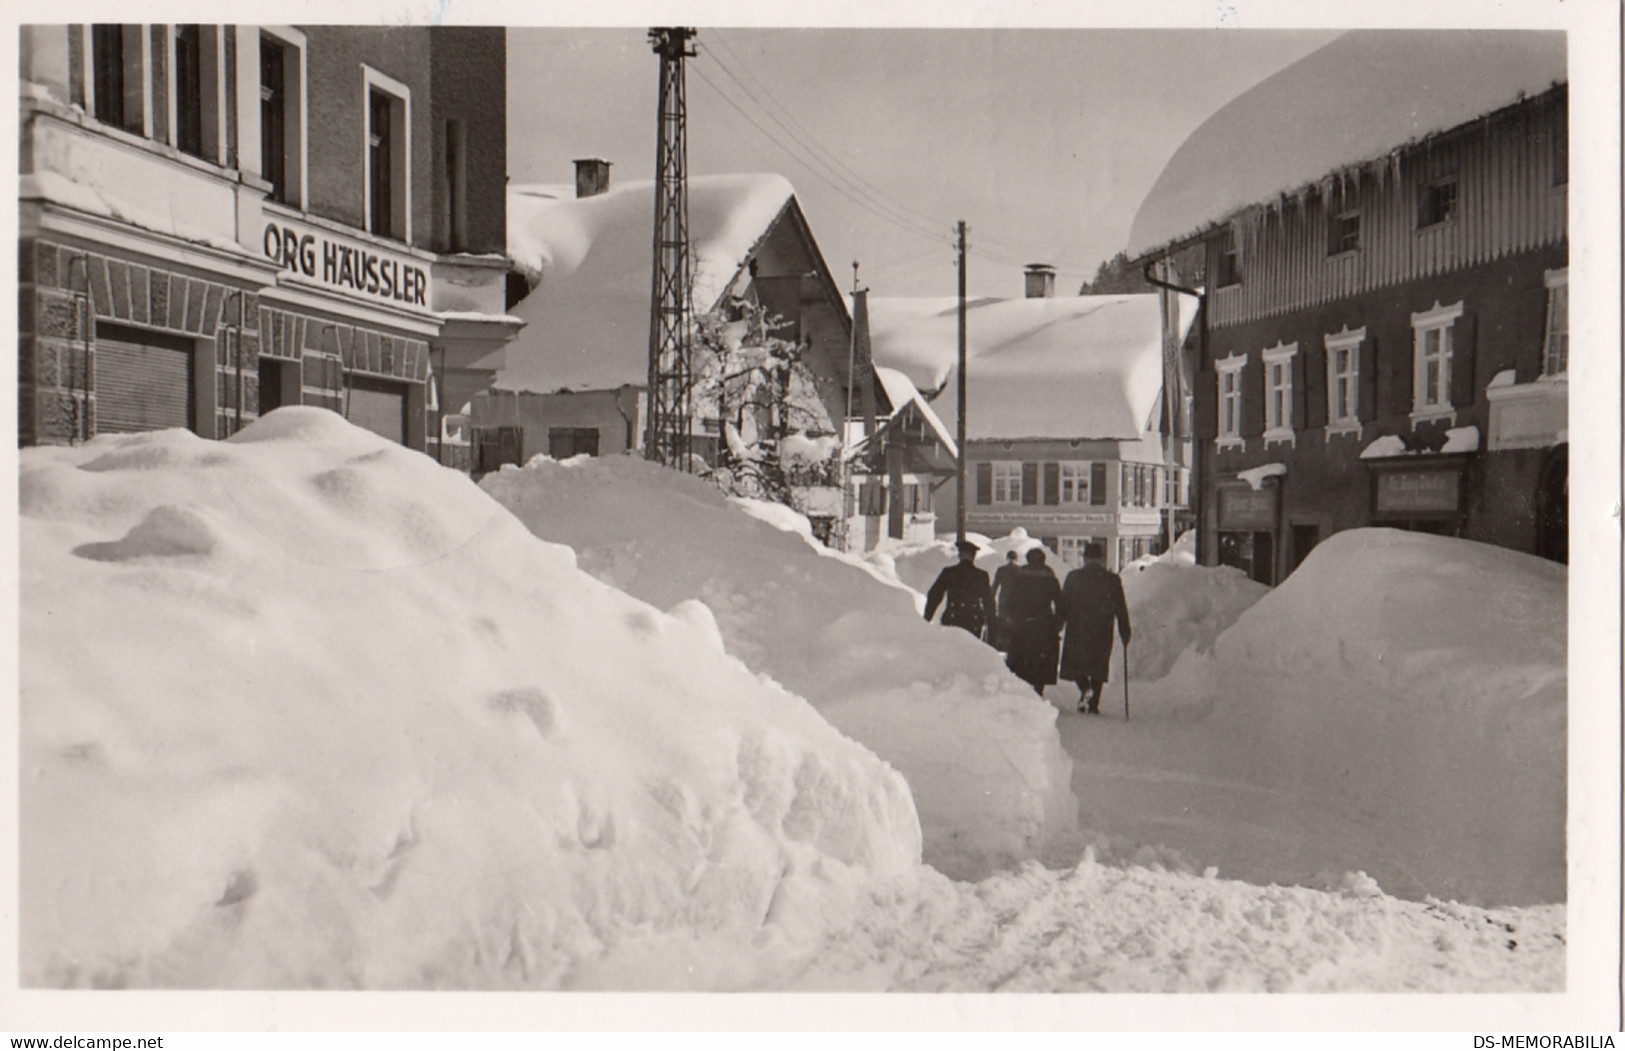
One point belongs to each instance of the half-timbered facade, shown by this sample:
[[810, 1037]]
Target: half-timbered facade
[[1388, 345]]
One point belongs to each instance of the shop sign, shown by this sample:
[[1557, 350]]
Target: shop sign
[[1016, 518], [348, 266], [1245, 509], [1418, 492]]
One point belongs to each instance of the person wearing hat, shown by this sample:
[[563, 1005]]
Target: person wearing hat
[[968, 593], [1035, 622], [1092, 599], [1004, 582]]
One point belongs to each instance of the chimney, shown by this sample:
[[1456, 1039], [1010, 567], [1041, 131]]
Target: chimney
[[592, 176], [1040, 281]]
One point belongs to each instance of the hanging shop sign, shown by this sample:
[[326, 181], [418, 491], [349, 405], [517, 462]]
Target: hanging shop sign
[[1245, 509], [1412, 493], [311, 255]]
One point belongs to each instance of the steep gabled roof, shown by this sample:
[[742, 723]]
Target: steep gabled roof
[[1359, 99], [590, 260], [1063, 367]]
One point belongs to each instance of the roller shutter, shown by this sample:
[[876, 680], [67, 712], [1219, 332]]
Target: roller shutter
[[143, 380], [378, 406]]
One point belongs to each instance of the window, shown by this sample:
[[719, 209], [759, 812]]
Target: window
[[1438, 203], [1230, 399], [1074, 479], [273, 123], [189, 90], [1071, 549], [1556, 356], [1006, 482], [1173, 487], [565, 442], [1278, 392], [388, 156], [1139, 485], [282, 114], [1343, 380], [118, 82], [1344, 235], [1227, 263], [1431, 359], [455, 216]]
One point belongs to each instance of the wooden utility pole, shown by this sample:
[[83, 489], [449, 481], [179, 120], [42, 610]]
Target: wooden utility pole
[[960, 487]]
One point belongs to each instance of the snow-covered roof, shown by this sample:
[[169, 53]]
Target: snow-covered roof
[[587, 321], [902, 393], [1359, 98], [1054, 367]]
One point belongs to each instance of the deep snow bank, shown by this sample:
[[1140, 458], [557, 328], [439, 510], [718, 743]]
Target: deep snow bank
[[979, 751], [305, 709], [1399, 701]]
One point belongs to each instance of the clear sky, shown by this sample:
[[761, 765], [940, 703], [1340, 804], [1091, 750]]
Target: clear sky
[[1044, 141]]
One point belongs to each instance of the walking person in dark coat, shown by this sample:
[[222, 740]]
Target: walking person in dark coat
[[1035, 622], [1003, 583], [1093, 600], [970, 597]]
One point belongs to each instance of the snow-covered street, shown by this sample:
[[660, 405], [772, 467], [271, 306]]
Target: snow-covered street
[[304, 710]]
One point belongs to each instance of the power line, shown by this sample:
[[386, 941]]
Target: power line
[[806, 136], [877, 208]]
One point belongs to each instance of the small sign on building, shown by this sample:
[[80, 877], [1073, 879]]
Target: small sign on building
[[1243, 509]]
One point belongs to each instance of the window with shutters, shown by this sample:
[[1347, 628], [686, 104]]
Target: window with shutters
[[388, 158], [1278, 394], [1343, 381], [1555, 359], [282, 129], [1432, 343], [1074, 481], [1229, 375], [1006, 481]]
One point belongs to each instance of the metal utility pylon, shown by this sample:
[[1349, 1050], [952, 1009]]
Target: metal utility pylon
[[671, 299]]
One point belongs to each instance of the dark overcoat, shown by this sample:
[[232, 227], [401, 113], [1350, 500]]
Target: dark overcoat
[[969, 597], [1004, 578], [1035, 624], [1092, 599]]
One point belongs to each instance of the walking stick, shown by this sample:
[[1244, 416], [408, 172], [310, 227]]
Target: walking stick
[[1125, 682]]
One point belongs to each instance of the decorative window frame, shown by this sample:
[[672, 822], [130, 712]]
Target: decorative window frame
[[1230, 437], [376, 80], [296, 114], [1349, 340], [1441, 319], [1555, 279], [1279, 431]]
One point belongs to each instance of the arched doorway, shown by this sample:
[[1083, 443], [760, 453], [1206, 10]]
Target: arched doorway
[[1552, 507]]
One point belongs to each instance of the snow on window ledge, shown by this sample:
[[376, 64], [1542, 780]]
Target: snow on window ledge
[[1255, 476], [1387, 445], [1228, 444], [1460, 440], [1339, 428]]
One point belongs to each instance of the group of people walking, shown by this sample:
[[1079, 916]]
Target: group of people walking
[[1024, 610]]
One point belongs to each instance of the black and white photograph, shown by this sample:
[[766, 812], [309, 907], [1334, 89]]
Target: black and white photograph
[[702, 499]]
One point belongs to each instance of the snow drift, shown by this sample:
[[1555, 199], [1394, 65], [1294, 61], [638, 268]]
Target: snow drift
[[1398, 706], [305, 709], [980, 753]]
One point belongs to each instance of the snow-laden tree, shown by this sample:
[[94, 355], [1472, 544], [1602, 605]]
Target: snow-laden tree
[[776, 435]]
